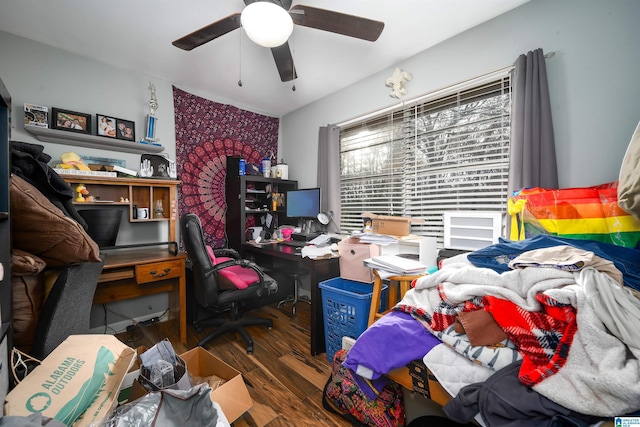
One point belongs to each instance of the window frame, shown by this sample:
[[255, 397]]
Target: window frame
[[391, 135]]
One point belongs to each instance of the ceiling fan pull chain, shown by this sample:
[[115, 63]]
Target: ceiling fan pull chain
[[240, 61], [293, 67]]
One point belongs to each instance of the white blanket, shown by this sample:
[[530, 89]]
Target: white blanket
[[602, 373]]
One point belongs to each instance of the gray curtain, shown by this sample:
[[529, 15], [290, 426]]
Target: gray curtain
[[329, 173], [533, 153]]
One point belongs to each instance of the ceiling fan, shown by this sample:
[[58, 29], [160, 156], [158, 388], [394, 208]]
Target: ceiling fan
[[306, 16]]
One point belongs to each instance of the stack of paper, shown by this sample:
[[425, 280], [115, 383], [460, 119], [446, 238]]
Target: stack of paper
[[379, 239], [396, 265]]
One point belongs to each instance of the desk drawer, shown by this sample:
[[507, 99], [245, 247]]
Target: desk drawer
[[156, 271]]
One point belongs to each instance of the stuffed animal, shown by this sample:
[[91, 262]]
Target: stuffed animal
[[81, 193], [71, 160]]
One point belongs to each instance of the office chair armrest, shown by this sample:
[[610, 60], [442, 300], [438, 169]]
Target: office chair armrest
[[228, 252]]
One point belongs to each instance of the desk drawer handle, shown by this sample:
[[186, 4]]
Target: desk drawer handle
[[155, 273]]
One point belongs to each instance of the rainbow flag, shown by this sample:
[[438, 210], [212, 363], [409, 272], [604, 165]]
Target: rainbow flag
[[589, 213]]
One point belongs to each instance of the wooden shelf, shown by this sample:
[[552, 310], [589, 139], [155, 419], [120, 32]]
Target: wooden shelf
[[142, 192], [91, 141]]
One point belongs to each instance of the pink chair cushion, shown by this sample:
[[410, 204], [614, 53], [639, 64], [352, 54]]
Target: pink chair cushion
[[240, 277]]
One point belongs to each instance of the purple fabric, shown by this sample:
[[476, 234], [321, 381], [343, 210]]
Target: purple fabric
[[391, 342], [206, 133]]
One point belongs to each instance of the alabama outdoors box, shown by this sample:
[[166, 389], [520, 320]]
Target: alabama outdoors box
[[77, 384]]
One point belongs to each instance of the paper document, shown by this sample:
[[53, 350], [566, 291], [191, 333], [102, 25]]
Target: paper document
[[379, 239], [322, 239], [314, 252], [396, 264]]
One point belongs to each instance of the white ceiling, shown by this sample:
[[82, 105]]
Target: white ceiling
[[137, 35]]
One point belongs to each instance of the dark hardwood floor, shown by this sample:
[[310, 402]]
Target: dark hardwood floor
[[283, 379]]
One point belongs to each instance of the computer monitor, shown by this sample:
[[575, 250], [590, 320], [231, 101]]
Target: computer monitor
[[304, 206], [303, 203]]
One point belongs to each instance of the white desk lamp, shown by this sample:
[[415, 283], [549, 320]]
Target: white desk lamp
[[325, 217]]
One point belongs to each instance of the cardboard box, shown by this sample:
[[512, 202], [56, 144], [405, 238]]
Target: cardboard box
[[391, 225], [352, 254], [232, 396], [77, 384]]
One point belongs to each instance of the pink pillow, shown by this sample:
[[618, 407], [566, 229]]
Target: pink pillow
[[238, 276]]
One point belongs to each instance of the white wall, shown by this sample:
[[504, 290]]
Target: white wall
[[593, 80], [39, 74]]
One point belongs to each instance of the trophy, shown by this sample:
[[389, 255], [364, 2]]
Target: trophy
[[150, 133]]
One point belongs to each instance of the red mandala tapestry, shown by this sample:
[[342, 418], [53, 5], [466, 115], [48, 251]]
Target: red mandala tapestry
[[207, 132]]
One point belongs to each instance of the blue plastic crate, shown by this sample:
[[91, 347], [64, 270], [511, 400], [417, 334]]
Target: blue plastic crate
[[346, 305]]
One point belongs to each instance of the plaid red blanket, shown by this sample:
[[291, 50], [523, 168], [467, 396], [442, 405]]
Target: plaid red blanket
[[543, 338]]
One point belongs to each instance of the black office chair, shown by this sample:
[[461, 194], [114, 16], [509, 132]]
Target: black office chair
[[67, 309], [213, 287]]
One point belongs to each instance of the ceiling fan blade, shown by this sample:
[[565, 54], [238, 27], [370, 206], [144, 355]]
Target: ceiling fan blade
[[208, 33], [284, 62], [336, 22]]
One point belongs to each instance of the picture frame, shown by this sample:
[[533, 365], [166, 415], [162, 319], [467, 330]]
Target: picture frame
[[155, 166], [106, 125], [36, 115], [71, 121], [125, 130]]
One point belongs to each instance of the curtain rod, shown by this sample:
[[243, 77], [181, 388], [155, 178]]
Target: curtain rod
[[479, 79]]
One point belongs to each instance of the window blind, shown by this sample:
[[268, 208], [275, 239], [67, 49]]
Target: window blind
[[447, 152]]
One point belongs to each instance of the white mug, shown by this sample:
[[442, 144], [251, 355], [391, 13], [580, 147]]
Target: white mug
[[143, 213]]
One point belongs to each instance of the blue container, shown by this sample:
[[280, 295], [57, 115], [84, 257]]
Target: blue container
[[346, 305], [241, 167]]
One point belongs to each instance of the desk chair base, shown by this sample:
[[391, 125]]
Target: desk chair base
[[233, 324]]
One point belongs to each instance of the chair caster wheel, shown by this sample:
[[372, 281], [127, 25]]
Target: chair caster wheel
[[198, 328], [250, 350]]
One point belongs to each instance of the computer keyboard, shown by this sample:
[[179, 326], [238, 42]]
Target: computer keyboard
[[295, 243]]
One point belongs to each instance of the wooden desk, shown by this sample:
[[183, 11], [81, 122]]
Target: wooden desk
[[132, 273], [319, 270]]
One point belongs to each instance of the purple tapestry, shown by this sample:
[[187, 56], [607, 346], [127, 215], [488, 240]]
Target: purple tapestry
[[207, 132]]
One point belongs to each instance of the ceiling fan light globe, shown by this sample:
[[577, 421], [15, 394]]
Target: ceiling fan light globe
[[266, 24]]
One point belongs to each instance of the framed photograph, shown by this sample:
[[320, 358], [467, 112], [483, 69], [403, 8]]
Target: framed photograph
[[126, 130], [70, 120], [155, 166], [36, 115], [106, 125]]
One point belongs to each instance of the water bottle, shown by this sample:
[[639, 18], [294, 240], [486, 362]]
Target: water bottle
[[266, 167], [241, 167]]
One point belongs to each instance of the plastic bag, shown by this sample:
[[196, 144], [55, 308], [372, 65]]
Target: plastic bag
[[192, 407], [587, 213]]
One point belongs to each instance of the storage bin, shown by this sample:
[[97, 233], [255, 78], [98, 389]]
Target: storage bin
[[346, 306], [352, 254]]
